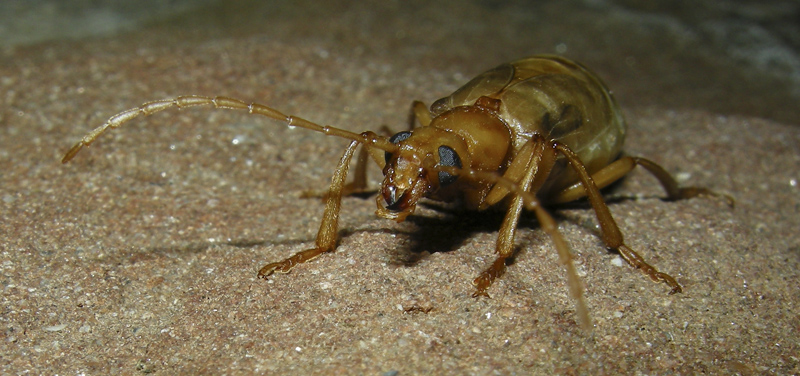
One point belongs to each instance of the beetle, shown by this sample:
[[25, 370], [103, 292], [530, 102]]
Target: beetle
[[542, 129]]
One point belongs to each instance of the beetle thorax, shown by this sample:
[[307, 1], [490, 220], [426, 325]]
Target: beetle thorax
[[487, 136]]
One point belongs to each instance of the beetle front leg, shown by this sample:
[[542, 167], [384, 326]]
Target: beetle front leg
[[504, 249], [540, 158], [529, 167], [359, 183], [505, 244], [525, 166], [327, 235]]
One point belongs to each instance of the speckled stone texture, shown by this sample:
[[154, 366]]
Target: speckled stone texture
[[140, 256]]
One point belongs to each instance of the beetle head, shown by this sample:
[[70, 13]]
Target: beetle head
[[414, 170]]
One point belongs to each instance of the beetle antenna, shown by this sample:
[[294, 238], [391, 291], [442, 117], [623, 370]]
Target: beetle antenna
[[367, 138]]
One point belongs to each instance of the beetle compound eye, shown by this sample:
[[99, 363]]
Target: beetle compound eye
[[397, 139], [448, 158]]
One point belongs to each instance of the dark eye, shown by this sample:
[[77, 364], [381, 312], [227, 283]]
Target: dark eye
[[396, 139], [448, 158]]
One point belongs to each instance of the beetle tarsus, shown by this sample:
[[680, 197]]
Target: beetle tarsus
[[488, 276], [636, 261], [288, 264], [691, 192]]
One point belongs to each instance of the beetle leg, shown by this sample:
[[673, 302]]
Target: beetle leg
[[622, 167], [540, 162], [527, 165], [504, 249], [515, 172], [611, 234], [602, 178], [505, 238], [327, 235], [419, 112], [359, 182], [674, 191]]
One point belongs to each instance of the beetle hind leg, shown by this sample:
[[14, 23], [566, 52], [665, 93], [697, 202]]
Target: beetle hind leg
[[674, 191], [621, 167]]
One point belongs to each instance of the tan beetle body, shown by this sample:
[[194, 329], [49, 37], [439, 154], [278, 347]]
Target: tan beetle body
[[545, 95], [540, 128]]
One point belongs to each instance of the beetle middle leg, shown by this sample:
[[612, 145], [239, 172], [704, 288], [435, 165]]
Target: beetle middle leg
[[327, 236], [611, 234]]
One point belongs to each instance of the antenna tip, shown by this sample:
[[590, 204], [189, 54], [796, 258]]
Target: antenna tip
[[71, 153]]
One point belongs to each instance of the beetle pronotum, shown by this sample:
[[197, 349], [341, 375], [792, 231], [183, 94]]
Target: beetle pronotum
[[539, 129]]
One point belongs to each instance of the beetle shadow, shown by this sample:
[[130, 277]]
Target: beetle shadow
[[441, 229], [454, 226], [452, 229], [444, 228], [442, 233]]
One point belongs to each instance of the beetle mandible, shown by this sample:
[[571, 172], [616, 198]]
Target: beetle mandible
[[543, 129]]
